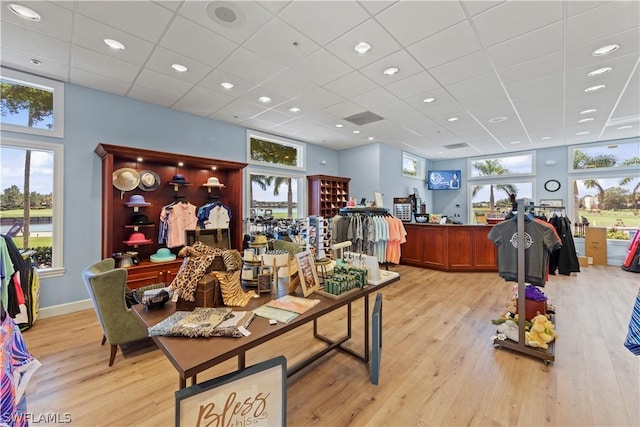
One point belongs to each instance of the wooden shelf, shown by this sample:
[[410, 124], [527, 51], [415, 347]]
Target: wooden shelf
[[327, 194]]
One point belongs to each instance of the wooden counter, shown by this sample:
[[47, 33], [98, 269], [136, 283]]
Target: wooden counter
[[449, 247]]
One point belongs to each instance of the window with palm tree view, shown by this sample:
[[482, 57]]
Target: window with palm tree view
[[605, 183], [273, 193], [494, 180]]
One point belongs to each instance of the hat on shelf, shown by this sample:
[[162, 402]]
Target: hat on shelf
[[137, 200], [213, 182], [140, 220], [178, 179], [137, 238], [162, 255], [149, 181], [126, 179]]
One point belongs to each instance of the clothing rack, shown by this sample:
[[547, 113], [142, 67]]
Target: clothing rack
[[521, 346], [344, 211]]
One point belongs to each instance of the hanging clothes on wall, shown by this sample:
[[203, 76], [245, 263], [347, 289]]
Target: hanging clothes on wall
[[175, 218], [214, 215]]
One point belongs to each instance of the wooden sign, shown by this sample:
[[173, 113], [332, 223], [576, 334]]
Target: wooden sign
[[264, 282], [255, 396]]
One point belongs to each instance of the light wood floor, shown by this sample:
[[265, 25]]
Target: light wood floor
[[439, 367]]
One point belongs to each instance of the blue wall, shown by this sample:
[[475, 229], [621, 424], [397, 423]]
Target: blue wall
[[92, 117]]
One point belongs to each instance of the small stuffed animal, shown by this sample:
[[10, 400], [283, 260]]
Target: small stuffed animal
[[541, 333], [509, 329]]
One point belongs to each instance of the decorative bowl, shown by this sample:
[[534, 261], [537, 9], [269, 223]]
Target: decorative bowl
[[422, 218]]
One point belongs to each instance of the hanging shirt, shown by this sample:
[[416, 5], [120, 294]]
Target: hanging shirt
[[183, 217]]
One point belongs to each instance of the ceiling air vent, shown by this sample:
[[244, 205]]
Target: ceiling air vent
[[363, 118], [456, 146]]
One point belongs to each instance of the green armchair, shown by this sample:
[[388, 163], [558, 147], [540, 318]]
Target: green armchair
[[106, 286]]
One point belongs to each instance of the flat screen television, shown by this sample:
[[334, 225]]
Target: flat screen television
[[443, 180]]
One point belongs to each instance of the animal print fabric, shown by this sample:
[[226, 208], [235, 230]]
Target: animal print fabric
[[198, 258], [232, 260], [232, 293]]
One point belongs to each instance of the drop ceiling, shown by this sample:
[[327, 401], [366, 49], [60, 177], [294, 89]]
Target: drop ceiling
[[513, 73]]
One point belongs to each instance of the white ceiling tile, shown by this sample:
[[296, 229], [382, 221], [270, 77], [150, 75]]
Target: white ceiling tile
[[481, 87], [371, 32], [242, 108], [575, 7], [38, 45], [529, 46], [250, 17], [289, 84], [323, 21], [413, 85], [322, 67], [152, 96], [22, 61], [280, 43], [162, 59], [351, 85], [581, 55], [213, 79], [273, 116], [201, 101], [274, 6], [99, 82], [162, 83], [319, 98], [259, 91], [91, 34], [126, 16], [475, 7], [56, 20], [105, 65], [469, 66], [228, 117], [410, 21], [196, 42], [550, 83], [600, 22], [319, 118], [401, 59], [172, 5], [376, 6], [513, 18], [344, 109], [453, 43], [532, 70], [260, 70], [375, 98]]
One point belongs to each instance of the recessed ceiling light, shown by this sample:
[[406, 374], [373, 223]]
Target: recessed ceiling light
[[391, 71], [498, 119], [180, 164], [588, 119], [594, 88], [114, 44], [372, 138], [362, 47], [453, 119], [339, 125], [515, 142], [213, 168], [625, 127], [600, 71], [139, 159], [605, 50], [264, 99], [35, 61], [294, 109], [227, 85], [24, 12], [428, 100], [179, 68], [583, 133], [546, 138], [356, 131], [591, 110]]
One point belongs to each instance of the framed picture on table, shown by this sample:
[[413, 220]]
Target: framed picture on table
[[307, 272]]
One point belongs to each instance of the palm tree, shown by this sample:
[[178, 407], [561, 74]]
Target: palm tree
[[492, 167], [624, 181], [582, 160], [279, 180], [262, 181]]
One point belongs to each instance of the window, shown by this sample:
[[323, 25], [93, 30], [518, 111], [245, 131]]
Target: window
[[32, 104], [33, 221], [274, 195], [490, 199], [270, 151], [412, 166], [521, 164], [606, 187]]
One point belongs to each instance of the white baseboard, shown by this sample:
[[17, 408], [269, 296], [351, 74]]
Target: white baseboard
[[57, 310]]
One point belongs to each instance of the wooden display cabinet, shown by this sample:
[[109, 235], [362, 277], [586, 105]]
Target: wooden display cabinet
[[327, 194], [117, 216]]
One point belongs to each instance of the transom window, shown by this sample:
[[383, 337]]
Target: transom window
[[270, 151]]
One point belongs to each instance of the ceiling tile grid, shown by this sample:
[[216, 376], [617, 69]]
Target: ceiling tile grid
[[524, 60]]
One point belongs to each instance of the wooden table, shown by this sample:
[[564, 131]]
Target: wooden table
[[191, 356]]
